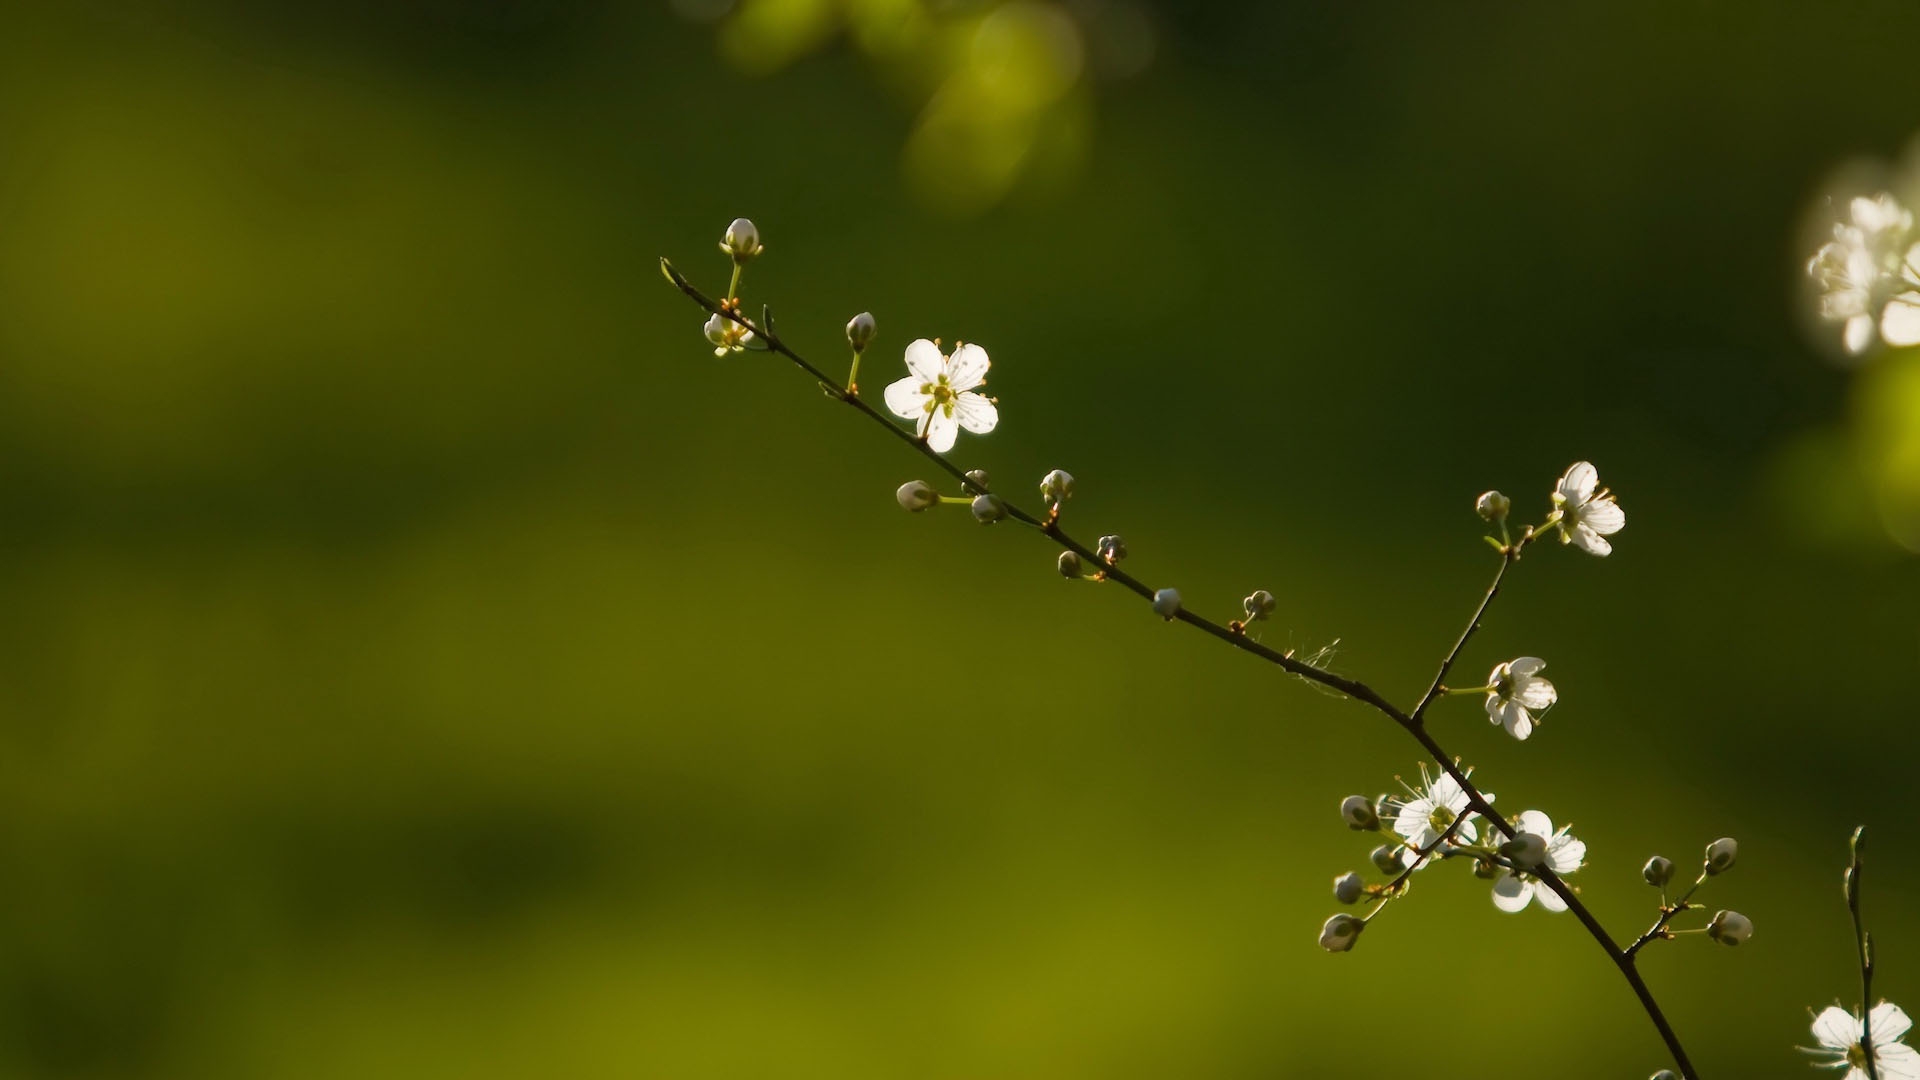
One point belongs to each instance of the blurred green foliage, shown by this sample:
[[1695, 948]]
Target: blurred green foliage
[[422, 658]]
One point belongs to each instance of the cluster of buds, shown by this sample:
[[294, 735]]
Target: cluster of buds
[[1726, 927]]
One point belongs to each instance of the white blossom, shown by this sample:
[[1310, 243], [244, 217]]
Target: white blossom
[[1518, 693], [727, 336], [1585, 513], [1844, 1043], [1869, 274], [1516, 889], [938, 393], [1435, 805]]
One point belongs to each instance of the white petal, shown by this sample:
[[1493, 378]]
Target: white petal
[[1526, 665], [1413, 819], [968, 367], [1535, 822], [1567, 855], [1447, 792], [1536, 694], [924, 360], [1897, 1061], [976, 413], [1467, 833], [1859, 333], [1495, 707], [1516, 719], [1589, 541], [905, 399], [1512, 894], [1579, 482], [1887, 1023], [1604, 516], [1549, 899], [1836, 1028], [1900, 323], [942, 430]]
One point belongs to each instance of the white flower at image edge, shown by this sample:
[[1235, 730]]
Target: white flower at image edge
[[1839, 1033], [1514, 891], [1588, 513], [1519, 692], [938, 393], [1868, 273], [1425, 818]]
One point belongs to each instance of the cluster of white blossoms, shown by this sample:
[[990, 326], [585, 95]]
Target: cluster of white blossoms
[[1440, 819], [1849, 1042], [1869, 274]]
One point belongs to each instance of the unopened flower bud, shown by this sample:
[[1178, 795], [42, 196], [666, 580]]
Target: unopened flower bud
[[742, 241], [860, 331], [1386, 859], [988, 509], [1166, 603], [1527, 850], [1658, 871], [1493, 506], [1348, 887], [1069, 565], [1340, 933], [1664, 1074], [1359, 814], [1111, 548], [1056, 487], [917, 495], [978, 479], [1485, 870], [1259, 605], [1721, 855], [1730, 928]]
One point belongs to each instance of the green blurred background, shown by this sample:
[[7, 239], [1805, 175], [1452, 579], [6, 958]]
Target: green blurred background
[[422, 658]]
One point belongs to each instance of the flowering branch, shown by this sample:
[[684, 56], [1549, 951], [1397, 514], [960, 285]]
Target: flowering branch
[[1582, 515]]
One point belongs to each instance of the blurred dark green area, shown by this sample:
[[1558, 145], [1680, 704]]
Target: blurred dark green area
[[422, 658]]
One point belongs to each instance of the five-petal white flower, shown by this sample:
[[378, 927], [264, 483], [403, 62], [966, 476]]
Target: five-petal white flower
[[938, 394], [1515, 889], [1519, 692], [1586, 513], [1869, 273], [1843, 1042], [1435, 805]]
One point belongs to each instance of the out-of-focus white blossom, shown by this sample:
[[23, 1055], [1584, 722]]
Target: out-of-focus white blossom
[[1869, 274]]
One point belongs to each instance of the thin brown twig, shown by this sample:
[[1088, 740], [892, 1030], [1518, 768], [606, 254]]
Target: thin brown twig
[[1353, 688]]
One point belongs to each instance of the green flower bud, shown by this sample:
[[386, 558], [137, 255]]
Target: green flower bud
[[860, 331], [742, 241], [1359, 814], [1056, 487], [988, 509], [1069, 565], [1340, 933], [1259, 605], [1721, 855], [1493, 506], [1386, 859], [1347, 888], [1730, 928], [917, 495], [1658, 871], [1166, 603]]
